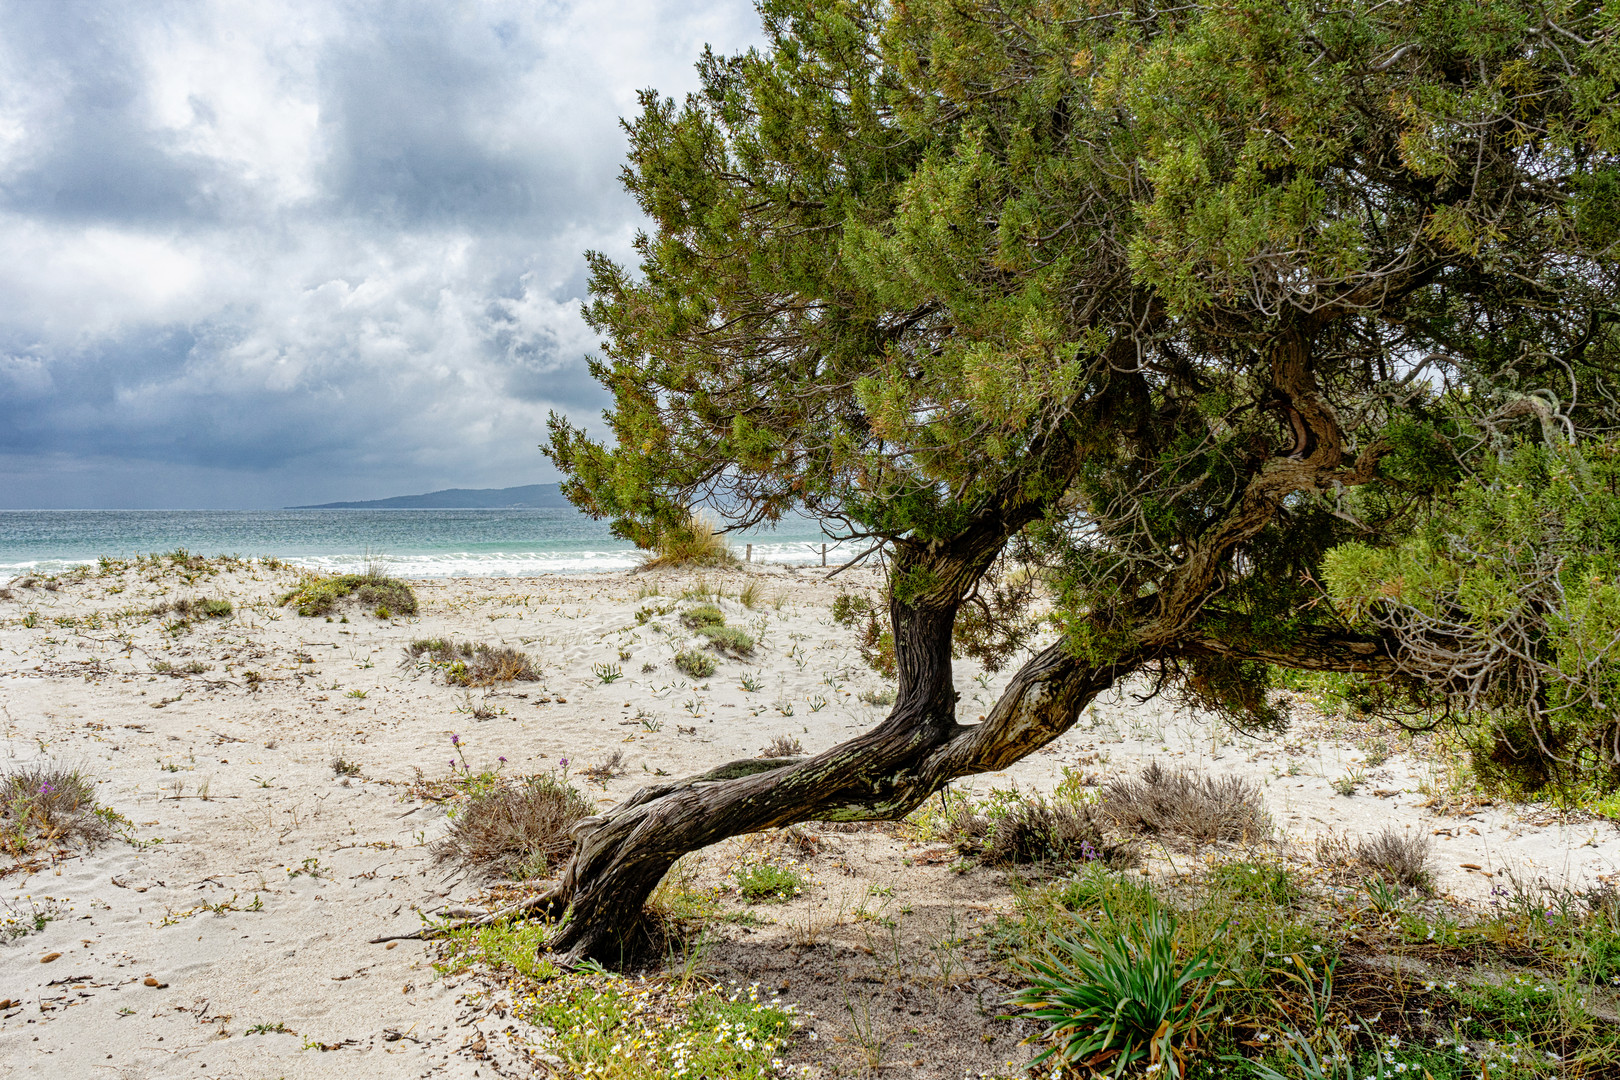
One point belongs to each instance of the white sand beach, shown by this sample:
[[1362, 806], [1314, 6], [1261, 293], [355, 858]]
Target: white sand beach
[[254, 877]]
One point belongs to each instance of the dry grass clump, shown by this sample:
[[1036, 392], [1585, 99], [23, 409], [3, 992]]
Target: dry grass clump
[[47, 803], [782, 746], [1184, 804], [603, 771], [695, 543], [514, 831], [319, 595], [466, 664], [1033, 831], [1395, 855], [195, 608]]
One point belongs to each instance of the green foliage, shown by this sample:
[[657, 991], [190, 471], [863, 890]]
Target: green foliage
[[203, 608], [694, 663], [1507, 602], [876, 639], [730, 640], [320, 595], [768, 883], [601, 1025], [1165, 302], [1122, 994], [514, 946], [702, 615]]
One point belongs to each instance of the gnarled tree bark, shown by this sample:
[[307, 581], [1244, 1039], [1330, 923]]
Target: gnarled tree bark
[[887, 772]]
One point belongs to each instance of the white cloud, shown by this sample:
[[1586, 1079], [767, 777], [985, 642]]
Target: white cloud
[[252, 243]]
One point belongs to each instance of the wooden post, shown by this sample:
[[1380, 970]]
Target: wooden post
[[823, 554], [749, 556]]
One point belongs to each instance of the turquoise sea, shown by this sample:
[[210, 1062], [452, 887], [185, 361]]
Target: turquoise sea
[[411, 543]]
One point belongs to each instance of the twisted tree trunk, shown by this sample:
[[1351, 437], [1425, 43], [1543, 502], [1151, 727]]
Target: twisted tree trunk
[[880, 775], [887, 772]]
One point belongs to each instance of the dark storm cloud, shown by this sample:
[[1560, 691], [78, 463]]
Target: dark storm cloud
[[306, 251]]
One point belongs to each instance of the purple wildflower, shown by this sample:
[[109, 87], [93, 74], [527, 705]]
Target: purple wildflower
[[455, 740]]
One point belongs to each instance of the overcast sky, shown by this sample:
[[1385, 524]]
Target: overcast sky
[[261, 252]]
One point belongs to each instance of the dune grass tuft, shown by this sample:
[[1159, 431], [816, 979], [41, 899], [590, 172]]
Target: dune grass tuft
[[513, 831], [467, 664], [47, 803], [1185, 805], [696, 543], [316, 594]]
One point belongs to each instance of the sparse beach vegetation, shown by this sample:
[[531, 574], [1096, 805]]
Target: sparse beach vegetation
[[513, 829], [47, 804], [693, 542], [317, 594], [466, 663]]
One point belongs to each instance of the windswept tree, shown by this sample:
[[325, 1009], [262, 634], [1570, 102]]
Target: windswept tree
[[1167, 302]]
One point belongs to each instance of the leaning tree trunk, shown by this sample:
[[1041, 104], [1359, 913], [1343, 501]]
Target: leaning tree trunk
[[881, 775]]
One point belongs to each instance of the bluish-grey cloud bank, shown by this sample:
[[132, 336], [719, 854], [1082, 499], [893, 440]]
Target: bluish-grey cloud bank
[[261, 253]]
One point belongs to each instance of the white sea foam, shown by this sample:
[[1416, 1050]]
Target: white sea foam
[[485, 563], [530, 563]]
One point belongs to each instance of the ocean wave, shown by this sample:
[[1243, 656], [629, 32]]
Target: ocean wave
[[447, 564], [530, 563]]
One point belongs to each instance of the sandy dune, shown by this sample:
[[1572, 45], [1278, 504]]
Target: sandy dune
[[255, 875]]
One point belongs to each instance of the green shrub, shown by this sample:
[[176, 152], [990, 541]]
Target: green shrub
[[876, 638], [318, 595], [1121, 995], [767, 883], [729, 640], [694, 663], [202, 608], [1506, 606], [467, 664], [701, 616]]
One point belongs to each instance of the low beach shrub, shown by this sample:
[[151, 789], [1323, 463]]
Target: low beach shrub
[[1183, 804], [702, 615], [49, 804], [467, 664], [1394, 855], [729, 640], [202, 608], [320, 595], [1029, 830], [513, 831], [768, 883], [782, 746], [694, 663], [709, 622]]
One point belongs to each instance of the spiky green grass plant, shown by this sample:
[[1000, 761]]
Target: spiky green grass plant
[[1123, 994]]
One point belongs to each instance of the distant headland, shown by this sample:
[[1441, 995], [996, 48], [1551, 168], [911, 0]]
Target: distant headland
[[536, 496]]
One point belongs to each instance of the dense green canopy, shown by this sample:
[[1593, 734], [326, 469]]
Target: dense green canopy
[[1185, 294], [1166, 302]]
